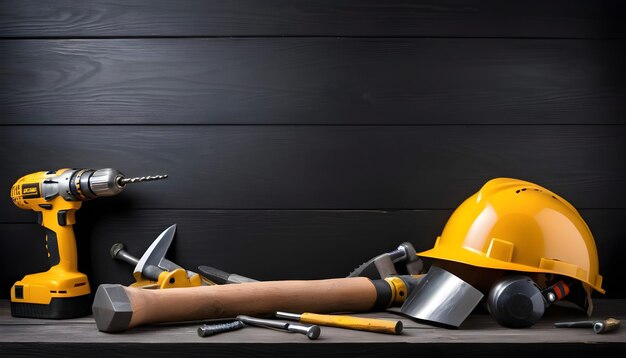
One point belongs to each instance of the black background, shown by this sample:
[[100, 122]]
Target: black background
[[304, 137]]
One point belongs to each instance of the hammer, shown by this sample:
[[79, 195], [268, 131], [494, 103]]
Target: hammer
[[117, 308]]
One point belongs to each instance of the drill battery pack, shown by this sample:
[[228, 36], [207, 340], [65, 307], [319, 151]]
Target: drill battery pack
[[54, 294], [58, 308]]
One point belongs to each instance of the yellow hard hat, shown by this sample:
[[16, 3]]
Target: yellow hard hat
[[516, 225]]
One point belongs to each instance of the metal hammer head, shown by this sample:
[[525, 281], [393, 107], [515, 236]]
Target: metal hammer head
[[414, 264], [383, 265], [111, 308]]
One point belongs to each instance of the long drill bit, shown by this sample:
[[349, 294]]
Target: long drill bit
[[124, 181]]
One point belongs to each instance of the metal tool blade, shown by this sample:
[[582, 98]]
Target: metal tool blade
[[169, 265], [155, 254], [221, 277], [441, 298]]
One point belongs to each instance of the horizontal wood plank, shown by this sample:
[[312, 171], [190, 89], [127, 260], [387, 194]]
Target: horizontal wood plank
[[322, 167], [266, 244], [455, 18], [478, 336], [312, 81]]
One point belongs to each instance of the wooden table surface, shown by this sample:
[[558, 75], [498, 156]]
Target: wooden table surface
[[478, 335]]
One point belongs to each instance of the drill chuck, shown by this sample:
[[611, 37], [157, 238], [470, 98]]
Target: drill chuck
[[106, 182], [84, 184]]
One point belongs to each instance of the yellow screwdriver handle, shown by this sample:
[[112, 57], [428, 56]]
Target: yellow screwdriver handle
[[350, 322]]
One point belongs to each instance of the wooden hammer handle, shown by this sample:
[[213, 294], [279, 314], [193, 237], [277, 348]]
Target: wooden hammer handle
[[117, 307]]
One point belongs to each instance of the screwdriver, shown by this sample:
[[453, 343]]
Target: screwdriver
[[599, 326], [349, 322]]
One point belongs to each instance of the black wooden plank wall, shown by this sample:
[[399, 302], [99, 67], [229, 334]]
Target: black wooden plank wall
[[304, 137]]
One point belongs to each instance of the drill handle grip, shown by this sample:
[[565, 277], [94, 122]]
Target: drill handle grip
[[52, 246], [60, 240]]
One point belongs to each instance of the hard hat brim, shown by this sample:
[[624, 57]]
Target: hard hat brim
[[479, 259]]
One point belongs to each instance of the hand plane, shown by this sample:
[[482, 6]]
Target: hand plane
[[153, 270]]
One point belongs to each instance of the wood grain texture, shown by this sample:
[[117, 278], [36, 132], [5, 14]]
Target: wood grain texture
[[264, 244], [451, 18], [479, 335], [312, 81], [356, 294], [324, 167]]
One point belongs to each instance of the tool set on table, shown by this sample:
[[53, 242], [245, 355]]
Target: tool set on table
[[514, 246]]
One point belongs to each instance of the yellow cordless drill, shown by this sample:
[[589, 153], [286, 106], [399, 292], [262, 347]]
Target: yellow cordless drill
[[62, 291]]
